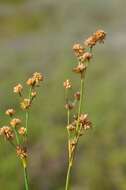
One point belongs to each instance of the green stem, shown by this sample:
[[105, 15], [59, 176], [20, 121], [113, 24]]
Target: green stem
[[16, 135], [26, 178], [80, 102], [68, 176], [26, 120], [27, 112], [81, 95]]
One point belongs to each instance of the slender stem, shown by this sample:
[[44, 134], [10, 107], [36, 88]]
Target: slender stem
[[80, 102], [26, 120], [81, 95], [27, 111], [71, 157], [68, 122], [26, 178], [68, 176], [68, 117], [16, 135]]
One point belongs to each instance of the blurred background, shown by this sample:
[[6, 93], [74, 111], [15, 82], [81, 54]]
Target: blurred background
[[38, 35]]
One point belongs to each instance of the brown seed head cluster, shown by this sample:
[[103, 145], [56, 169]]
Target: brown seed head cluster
[[22, 131], [67, 84], [78, 49], [7, 132], [82, 54], [33, 94], [98, 36], [25, 104], [10, 112], [80, 68], [84, 121], [77, 96], [35, 79], [15, 122], [21, 152], [69, 106], [18, 89]]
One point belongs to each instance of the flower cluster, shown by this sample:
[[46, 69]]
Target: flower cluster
[[80, 122], [16, 131], [98, 36], [32, 82]]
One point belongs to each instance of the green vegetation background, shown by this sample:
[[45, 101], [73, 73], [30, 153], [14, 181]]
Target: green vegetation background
[[37, 35]]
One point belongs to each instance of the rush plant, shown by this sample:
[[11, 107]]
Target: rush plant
[[80, 122], [16, 132]]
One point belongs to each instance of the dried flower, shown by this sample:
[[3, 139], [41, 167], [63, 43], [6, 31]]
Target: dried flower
[[100, 35], [90, 42], [67, 84], [21, 152], [69, 106], [22, 131], [25, 104], [10, 112], [15, 122], [31, 82], [78, 49], [33, 94], [7, 132], [86, 57], [37, 76], [84, 121], [77, 96], [18, 89], [80, 68], [71, 127], [35, 79]]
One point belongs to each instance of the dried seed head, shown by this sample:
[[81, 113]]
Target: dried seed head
[[22, 131], [35, 79], [78, 49], [84, 121], [18, 89], [80, 68], [10, 112], [71, 127], [38, 76], [33, 94], [7, 132], [25, 104], [15, 122], [21, 152], [69, 106], [67, 84], [100, 35], [86, 57], [31, 82], [77, 96], [90, 42]]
